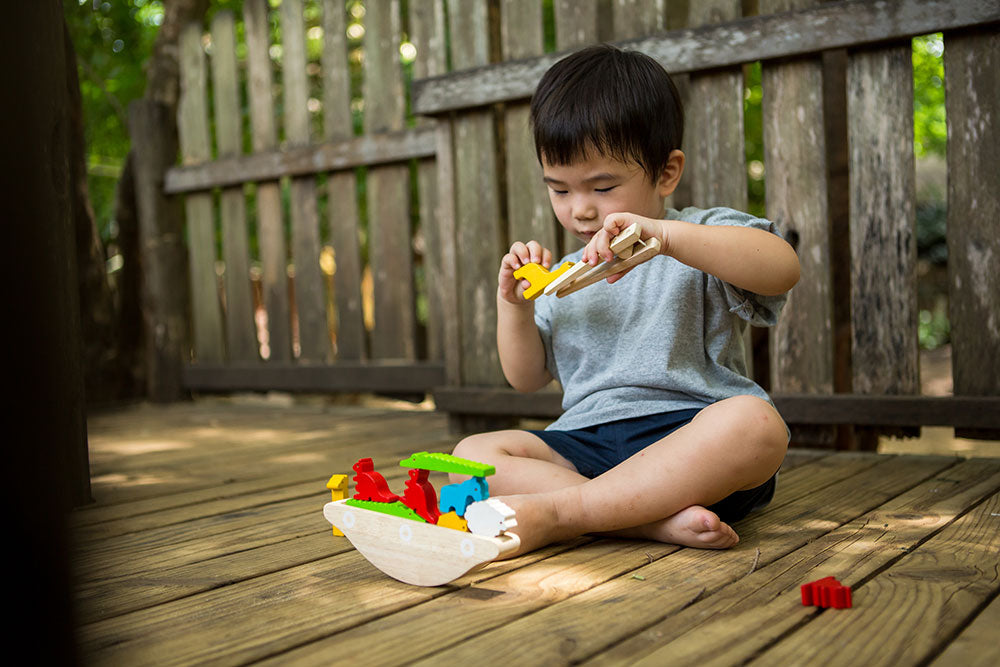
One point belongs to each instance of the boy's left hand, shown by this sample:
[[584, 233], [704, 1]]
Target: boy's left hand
[[599, 248]]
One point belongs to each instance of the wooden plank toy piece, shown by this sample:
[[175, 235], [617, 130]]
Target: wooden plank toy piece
[[574, 272], [414, 552], [648, 250], [538, 277], [624, 244]]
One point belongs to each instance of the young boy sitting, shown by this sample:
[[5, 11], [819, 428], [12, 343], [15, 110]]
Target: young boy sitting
[[663, 435]]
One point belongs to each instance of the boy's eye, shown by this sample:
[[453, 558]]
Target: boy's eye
[[608, 189]]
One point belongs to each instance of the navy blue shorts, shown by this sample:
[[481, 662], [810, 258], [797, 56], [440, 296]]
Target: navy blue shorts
[[596, 449]]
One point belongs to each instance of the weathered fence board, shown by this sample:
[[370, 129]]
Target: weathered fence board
[[477, 208], [389, 244], [529, 214], [578, 24], [192, 126], [427, 32], [342, 206], [972, 63], [241, 334], [883, 224], [270, 229], [796, 194], [310, 291], [830, 26]]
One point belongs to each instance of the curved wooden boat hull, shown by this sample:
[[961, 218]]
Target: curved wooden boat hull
[[413, 552]]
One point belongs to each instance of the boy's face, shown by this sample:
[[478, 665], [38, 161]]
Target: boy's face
[[585, 192]]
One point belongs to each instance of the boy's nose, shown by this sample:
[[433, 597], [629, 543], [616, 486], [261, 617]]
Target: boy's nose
[[584, 210]]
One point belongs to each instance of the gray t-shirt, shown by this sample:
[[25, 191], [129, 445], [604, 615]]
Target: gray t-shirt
[[665, 337]]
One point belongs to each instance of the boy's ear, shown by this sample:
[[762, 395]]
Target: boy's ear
[[671, 175]]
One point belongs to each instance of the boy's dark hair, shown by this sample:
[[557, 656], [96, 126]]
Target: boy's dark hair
[[622, 104]]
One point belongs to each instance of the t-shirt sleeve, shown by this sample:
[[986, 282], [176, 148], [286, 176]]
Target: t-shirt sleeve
[[757, 309]]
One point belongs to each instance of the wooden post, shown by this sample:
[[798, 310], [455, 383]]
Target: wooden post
[[161, 244], [529, 213], [270, 228], [342, 202], [241, 329], [972, 63], [883, 222], [796, 187], [310, 292], [389, 239], [45, 431], [427, 33]]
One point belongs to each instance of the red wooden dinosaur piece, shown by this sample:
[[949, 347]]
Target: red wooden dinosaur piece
[[370, 485], [421, 497]]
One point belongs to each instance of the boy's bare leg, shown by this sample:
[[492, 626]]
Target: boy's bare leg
[[660, 493]]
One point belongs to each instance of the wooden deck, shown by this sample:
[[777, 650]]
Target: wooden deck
[[207, 544]]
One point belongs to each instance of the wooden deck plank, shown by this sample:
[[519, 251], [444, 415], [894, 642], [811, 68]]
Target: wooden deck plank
[[578, 628], [977, 645], [195, 570], [911, 610], [295, 606], [507, 602], [765, 605]]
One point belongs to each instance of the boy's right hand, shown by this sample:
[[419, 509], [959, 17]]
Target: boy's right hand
[[511, 290]]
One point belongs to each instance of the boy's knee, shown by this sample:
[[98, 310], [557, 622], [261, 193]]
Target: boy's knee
[[760, 422]]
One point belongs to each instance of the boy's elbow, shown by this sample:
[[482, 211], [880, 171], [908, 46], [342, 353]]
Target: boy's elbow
[[528, 385]]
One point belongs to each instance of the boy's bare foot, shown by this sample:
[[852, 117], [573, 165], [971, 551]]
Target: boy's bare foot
[[694, 526]]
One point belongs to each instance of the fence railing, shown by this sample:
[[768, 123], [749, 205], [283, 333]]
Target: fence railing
[[442, 195]]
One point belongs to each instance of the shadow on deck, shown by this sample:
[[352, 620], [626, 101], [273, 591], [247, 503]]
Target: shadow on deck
[[207, 543]]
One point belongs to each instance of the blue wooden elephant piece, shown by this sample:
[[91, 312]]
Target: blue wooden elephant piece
[[456, 497]]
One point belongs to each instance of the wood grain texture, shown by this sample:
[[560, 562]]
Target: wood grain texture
[[195, 144], [832, 25], [576, 629], [310, 290], [314, 158], [972, 61], [427, 30], [479, 232], [241, 328], [637, 18], [976, 645], [766, 604], [932, 592], [796, 195], [270, 225], [579, 24], [342, 206], [390, 245], [529, 214], [883, 223]]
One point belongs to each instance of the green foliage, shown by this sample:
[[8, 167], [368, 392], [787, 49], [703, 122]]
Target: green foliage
[[112, 41], [930, 133]]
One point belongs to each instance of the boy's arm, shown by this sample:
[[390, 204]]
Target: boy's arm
[[745, 257], [522, 354]]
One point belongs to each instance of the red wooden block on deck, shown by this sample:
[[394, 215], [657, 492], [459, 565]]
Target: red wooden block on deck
[[370, 485], [826, 592]]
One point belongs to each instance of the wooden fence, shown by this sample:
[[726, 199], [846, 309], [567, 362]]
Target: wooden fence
[[839, 163]]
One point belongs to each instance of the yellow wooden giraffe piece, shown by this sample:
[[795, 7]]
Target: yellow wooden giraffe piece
[[538, 277], [338, 490]]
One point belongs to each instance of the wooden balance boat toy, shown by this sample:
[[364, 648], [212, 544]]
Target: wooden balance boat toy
[[390, 533]]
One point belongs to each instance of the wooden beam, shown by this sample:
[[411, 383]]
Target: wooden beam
[[959, 411], [303, 160], [402, 377], [829, 26]]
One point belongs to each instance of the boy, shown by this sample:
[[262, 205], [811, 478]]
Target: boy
[[663, 436]]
